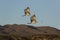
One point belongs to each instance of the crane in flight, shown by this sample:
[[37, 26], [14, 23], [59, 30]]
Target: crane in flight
[[33, 19], [27, 11]]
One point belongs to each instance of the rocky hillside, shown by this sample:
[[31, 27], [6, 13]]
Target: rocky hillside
[[27, 30], [49, 30]]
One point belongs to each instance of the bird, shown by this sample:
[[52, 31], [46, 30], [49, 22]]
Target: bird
[[33, 19], [27, 11]]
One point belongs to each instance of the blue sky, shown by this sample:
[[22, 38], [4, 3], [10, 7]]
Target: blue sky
[[46, 11]]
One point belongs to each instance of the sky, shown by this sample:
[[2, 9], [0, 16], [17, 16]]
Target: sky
[[47, 12]]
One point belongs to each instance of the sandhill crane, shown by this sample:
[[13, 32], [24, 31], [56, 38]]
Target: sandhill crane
[[33, 19], [27, 11]]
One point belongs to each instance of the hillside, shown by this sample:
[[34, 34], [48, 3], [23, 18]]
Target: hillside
[[27, 30], [49, 30]]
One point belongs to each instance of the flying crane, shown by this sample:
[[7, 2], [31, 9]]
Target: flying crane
[[27, 11], [33, 19]]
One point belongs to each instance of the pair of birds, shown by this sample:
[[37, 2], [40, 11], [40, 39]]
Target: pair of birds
[[32, 18]]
